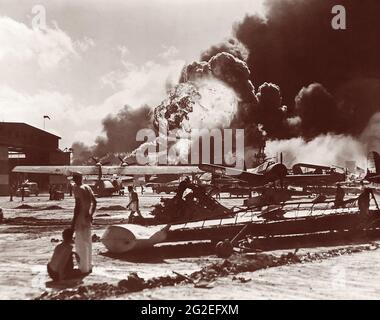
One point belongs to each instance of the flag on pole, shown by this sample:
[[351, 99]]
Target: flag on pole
[[46, 117]]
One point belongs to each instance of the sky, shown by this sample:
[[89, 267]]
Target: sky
[[92, 57]]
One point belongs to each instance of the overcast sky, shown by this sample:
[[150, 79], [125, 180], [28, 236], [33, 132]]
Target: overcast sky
[[96, 56]]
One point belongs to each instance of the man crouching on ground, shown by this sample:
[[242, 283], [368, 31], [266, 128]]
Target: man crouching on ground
[[61, 265], [85, 206]]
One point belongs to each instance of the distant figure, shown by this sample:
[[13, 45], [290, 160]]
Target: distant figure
[[1, 215], [142, 189], [51, 192], [85, 206], [183, 185], [22, 193], [70, 189], [363, 203], [133, 204], [217, 192], [11, 192], [339, 196], [61, 265]]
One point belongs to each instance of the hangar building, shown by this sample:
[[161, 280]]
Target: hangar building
[[23, 144]]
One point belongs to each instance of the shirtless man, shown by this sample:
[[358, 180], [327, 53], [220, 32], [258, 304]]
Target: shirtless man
[[85, 206], [61, 265]]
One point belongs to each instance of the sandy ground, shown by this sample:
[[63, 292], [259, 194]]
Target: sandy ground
[[26, 247], [347, 277]]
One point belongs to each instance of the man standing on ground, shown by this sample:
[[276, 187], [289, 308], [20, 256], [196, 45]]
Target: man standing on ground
[[22, 192], [85, 206], [363, 203], [11, 191], [133, 204], [339, 196]]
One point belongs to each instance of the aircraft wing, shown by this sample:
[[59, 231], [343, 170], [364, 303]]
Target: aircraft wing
[[373, 178], [311, 166], [59, 170], [108, 170], [220, 170], [157, 170], [254, 179], [314, 178]]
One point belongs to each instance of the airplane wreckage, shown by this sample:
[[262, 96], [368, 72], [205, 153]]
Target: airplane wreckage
[[193, 214]]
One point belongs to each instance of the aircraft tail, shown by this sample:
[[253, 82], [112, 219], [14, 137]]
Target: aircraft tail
[[160, 235]]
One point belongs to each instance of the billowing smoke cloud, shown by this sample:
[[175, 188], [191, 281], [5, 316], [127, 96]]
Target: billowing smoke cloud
[[121, 128], [371, 134], [295, 45], [317, 110], [120, 135], [235, 74], [227, 68], [313, 82], [326, 149], [231, 46], [81, 153], [270, 111]]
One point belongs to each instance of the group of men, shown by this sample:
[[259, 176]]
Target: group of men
[[61, 266]]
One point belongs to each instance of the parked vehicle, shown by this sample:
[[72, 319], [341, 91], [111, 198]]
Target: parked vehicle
[[164, 187], [29, 189]]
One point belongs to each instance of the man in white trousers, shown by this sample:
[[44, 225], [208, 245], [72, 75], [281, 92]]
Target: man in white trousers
[[85, 206]]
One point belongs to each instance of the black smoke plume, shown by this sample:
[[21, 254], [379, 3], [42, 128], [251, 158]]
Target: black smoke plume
[[295, 45], [314, 103], [120, 135], [293, 76], [231, 46]]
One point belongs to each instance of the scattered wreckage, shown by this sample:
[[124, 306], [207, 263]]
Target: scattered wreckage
[[274, 223]]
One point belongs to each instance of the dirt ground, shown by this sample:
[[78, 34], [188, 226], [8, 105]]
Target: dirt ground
[[27, 242]]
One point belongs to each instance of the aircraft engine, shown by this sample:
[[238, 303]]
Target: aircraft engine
[[276, 171]]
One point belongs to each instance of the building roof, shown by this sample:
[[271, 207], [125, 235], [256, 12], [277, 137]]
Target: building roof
[[28, 125]]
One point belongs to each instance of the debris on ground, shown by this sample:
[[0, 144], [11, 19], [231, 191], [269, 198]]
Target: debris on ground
[[112, 208], [241, 279], [197, 204], [27, 206], [238, 263], [224, 249], [24, 206], [53, 207], [95, 238], [133, 283]]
